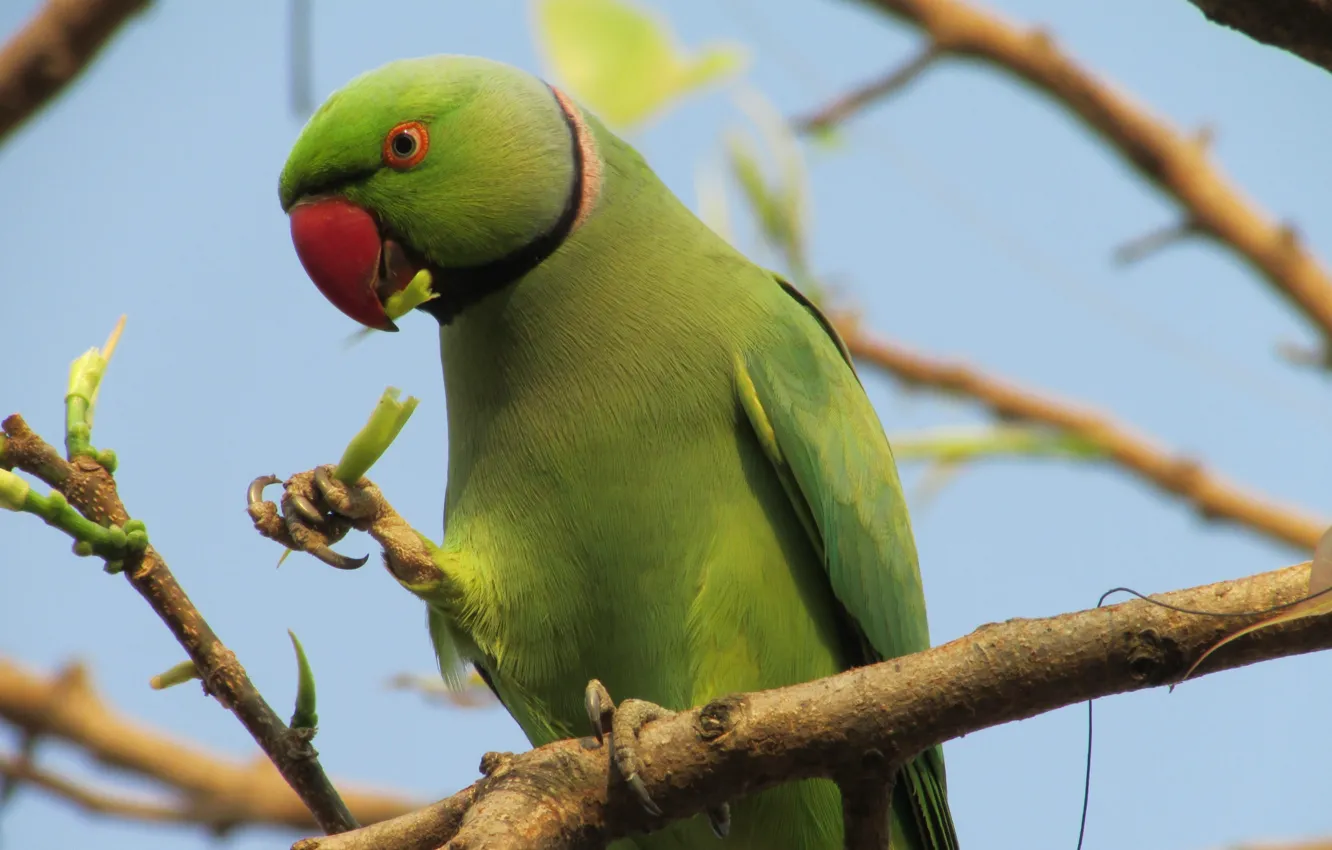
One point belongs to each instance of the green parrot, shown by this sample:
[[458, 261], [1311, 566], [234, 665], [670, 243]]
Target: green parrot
[[664, 477]]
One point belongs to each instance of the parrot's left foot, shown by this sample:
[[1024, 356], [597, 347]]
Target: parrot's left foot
[[318, 510], [620, 727]]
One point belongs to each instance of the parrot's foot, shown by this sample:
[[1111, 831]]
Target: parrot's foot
[[620, 727], [318, 510]]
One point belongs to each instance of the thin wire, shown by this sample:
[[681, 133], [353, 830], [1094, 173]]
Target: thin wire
[[1086, 783]]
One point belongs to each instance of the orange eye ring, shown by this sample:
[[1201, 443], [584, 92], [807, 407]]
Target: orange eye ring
[[406, 145]]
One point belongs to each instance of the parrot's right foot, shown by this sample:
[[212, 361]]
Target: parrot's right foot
[[620, 727], [318, 510]]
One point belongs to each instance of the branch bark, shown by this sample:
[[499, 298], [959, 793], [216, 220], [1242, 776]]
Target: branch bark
[[560, 796], [1173, 162], [1301, 27], [1212, 496], [92, 491], [206, 789], [52, 49]]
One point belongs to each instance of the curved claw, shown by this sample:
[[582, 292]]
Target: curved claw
[[719, 818], [644, 798], [254, 494], [599, 707], [333, 559], [323, 479], [306, 509]]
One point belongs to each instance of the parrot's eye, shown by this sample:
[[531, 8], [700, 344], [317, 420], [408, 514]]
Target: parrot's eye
[[406, 145]]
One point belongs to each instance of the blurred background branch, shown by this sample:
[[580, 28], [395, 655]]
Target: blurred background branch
[[1175, 163], [199, 787], [1116, 443], [52, 50]]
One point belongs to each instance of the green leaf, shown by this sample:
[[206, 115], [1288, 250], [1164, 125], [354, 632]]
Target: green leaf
[[958, 445], [780, 203], [622, 61], [304, 717], [374, 439]]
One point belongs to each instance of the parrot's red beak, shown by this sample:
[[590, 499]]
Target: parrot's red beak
[[345, 255]]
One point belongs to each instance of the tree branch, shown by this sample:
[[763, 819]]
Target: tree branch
[[210, 790], [52, 49], [94, 802], [1213, 497], [560, 796], [1302, 27], [849, 104], [92, 491], [1175, 163]]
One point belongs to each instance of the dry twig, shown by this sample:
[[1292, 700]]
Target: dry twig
[[52, 49], [206, 789], [560, 797], [1175, 163], [1213, 497], [1302, 27], [92, 491]]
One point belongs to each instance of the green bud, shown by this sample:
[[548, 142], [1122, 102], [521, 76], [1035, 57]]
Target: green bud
[[13, 491], [374, 439], [83, 548], [55, 504], [177, 675], [107, 458], [416, 293], [304, 717], [116, 536]]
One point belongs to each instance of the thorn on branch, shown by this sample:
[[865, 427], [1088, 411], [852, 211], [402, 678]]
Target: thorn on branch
[[1303, 355], [854, 101], [1149, 243], [1203, 138]]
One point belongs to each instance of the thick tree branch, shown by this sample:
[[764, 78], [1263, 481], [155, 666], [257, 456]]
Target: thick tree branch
[[206, 789], [1302, 27], [1213, 497], [52, 49], [91, 490], [560, 797], [1172, 161]]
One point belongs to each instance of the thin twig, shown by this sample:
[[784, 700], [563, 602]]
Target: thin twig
[[852, 102], [1175, 163], [52, 49], [560, 797], [1213, 497], [213, 791], [91, 490], [1302, 27], [1144, 246]]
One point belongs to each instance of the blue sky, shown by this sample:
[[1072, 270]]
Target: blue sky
[[966, 217]]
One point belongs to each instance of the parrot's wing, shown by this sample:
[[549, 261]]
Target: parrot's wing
[[814, 421]]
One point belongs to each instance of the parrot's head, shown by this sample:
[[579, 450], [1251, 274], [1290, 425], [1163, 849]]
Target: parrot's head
[[471, 169]]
